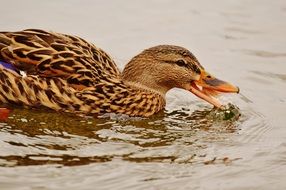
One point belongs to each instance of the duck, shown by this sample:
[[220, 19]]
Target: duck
[[62, 72]]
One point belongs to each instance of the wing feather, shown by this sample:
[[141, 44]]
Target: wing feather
[[50, 54]]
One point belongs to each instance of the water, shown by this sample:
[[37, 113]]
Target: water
[[189, 145]]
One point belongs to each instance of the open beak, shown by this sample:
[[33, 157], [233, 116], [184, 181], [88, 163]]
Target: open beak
[[208, 86]]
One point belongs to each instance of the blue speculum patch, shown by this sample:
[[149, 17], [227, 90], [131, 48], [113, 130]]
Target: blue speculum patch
[[8, 66]]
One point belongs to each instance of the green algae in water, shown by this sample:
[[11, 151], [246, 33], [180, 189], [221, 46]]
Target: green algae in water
[[228, 112]]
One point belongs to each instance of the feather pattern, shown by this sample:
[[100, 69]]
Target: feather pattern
[[66, 73]]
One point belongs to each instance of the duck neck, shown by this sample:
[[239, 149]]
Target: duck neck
[[138, 74], [142, 100], [144, 88]]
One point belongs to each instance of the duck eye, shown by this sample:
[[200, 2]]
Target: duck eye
[[181, 63]]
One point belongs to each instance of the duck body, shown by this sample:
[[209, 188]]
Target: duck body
[[66, 73]]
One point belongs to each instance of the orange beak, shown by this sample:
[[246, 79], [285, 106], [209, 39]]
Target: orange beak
[[208, 86]]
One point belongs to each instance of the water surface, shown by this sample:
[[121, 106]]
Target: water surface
[[187, 146]]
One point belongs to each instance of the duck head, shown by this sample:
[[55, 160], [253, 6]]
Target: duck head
[[164, 67]]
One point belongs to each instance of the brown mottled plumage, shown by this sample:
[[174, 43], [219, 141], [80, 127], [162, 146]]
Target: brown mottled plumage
[[66, 73]]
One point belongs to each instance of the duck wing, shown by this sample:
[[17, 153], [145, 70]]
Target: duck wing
[[50, 54]]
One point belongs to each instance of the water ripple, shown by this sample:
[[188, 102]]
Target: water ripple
[[39, 137]]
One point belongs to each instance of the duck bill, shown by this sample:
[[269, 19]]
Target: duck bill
[[208, 86]]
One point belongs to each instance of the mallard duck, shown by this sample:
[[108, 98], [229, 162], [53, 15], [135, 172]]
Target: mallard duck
[[66, 73]]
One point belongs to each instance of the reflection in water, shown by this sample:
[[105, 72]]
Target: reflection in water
[[65, 160], [36, 137]]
